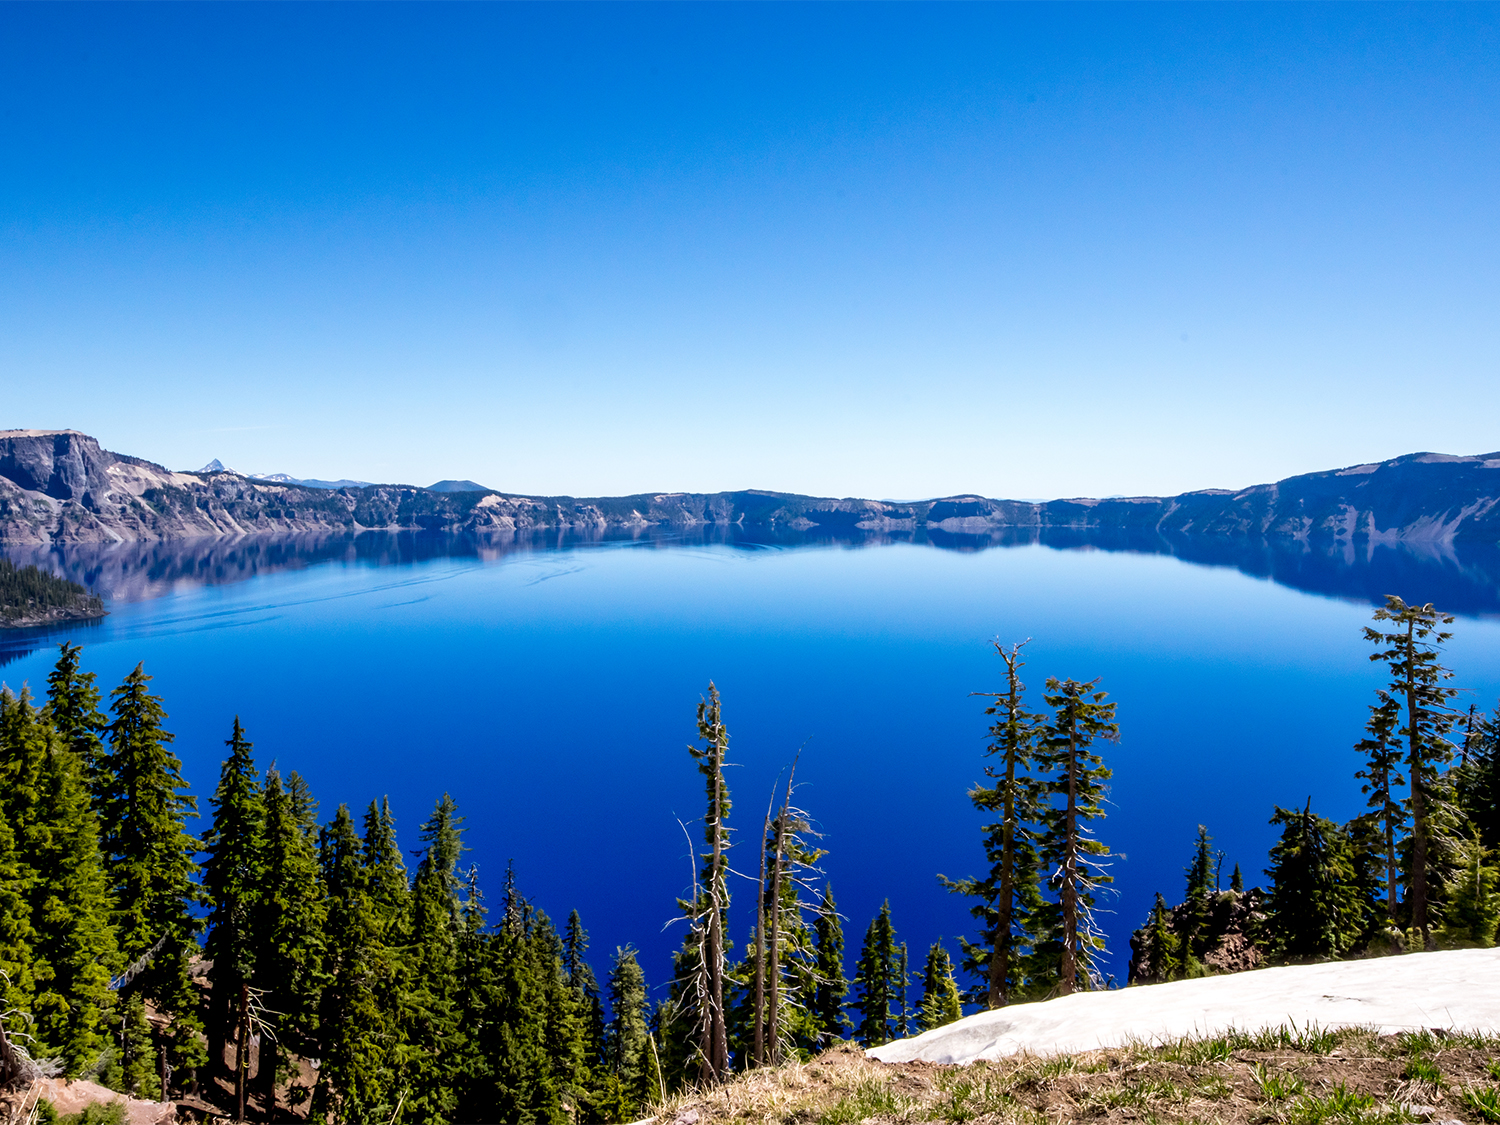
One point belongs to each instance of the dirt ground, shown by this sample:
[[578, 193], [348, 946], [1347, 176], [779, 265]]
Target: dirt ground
[[1287, 1077]]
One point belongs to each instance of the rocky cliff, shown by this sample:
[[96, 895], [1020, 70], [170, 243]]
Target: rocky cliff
[[59, 486]]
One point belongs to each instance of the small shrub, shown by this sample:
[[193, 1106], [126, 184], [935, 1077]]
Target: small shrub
[[97, 1113]]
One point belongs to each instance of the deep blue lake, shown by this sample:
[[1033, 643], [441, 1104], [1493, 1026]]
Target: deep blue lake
[[552, 688]]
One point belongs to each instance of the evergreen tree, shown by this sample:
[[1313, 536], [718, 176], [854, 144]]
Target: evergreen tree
[[60, 874], [73, 708], [903, 988], [695, 1013], [1163, 946], [1200, 895], [231, 878], [357, 1075], [1081, 717], [288, 932], [586, 985], [1237, 881], [627, 1052], [791, 960], [17, 985], [433, 1032], [135, 1071], [876, 976], [1418, 681], [144, 806], [1313, 908], [827, 1008], [1381, 775], [1477, 778], [1471, 913], [1010, 894], [940, 1002]]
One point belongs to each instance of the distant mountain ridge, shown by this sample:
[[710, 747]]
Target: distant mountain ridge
[[61, 486]]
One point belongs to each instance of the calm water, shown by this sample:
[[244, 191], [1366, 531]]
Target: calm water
[[551, 689]]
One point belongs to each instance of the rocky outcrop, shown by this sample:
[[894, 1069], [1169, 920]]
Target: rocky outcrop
[[59, 486], [1218, 932]]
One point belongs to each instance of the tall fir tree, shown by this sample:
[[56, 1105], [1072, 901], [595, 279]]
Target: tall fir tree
[[290, 914], [627, 1050], [1164, 959], [61, 876], [433, 1031], [356, 1079], [1411, 651], [1081, 718], [231, 883], [695, 1013], [1313, 908], [1477, 777], [1009, 895], [1381, 775], [144, 806], [827, 1008], [73, 700], [877, 985], [940, 1001]]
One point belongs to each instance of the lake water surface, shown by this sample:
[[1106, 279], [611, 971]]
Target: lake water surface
[[551, 687]]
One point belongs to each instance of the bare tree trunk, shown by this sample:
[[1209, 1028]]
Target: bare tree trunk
[[242, 1053], [1070, 876], [1414, 765], [760, 946], [999, 992], [775, 952], [1390, 854], [716, 1059]]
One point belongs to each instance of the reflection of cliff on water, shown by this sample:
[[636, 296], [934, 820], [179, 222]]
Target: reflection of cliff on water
[[1462, 579]]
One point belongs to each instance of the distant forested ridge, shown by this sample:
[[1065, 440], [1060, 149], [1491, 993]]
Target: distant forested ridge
[[60, 486], [32, 596]]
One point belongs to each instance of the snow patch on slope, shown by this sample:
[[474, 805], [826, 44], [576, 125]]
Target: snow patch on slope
[[1458, 989]]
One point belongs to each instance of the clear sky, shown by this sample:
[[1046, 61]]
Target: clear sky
[[855, 249]]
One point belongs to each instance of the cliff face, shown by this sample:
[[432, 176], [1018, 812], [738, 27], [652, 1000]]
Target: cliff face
[[59, 486]]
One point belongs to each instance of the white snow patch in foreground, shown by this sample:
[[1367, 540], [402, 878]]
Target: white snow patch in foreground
[[1457, 989]]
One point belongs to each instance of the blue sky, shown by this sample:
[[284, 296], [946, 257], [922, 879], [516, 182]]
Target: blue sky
[[864, 250]]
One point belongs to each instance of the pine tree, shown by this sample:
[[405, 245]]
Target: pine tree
[[1200, 893], [135, 1073], [697, 1000], [1381, 775], [1477, 778], [73, 708], [827, 1008], [356, 1078], [1313, 907], [876, 976], [1237, 881], [44, 793], [1081, 717], [1471, 914], [1010, 893], [144, 806], [17, 985], [940, 1002], [627, 1052], [791, 966], [1417, 680], [288, 930], [433, 1033], [1163, 946], [231, 878], [586, 985]]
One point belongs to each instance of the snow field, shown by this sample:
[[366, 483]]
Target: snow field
[[1455, 990]]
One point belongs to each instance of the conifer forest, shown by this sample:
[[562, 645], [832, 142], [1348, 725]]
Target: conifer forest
[[251, 954]]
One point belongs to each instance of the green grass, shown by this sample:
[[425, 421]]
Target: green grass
[[1419, 1068], [869, 1099], [1483, 1100], [1276, 1086]]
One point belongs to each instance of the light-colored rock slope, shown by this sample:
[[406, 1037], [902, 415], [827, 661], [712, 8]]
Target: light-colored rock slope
[[1457, 990]]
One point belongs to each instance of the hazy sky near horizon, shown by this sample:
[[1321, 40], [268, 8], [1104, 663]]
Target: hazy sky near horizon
[[874, 250]]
